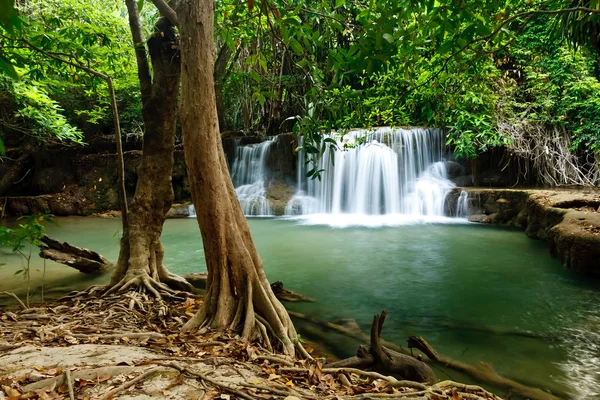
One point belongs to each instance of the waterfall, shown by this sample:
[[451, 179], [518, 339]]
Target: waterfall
[[462, 205], [250, 174], [386, 172]]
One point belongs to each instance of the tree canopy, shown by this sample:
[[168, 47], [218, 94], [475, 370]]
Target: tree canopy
[[315, 66]]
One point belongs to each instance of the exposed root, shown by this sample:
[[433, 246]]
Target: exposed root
[[214, 382], [546, 151], [14, 296], [107, 321], [69, 380], [132, 382]]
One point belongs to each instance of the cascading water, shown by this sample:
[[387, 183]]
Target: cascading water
[[249, 174], [398, 172], [462, 205]]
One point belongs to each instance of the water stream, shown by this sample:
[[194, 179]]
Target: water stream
[[249, 174], [477, 293], [387, 171]]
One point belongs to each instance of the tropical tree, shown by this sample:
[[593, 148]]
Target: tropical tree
[[238, 294], [140, 262]]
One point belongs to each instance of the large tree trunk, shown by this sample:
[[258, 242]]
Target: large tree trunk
[[238, 295], [140, 262]]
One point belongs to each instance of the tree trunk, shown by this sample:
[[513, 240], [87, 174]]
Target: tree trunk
[[140, 260], [238, 295]]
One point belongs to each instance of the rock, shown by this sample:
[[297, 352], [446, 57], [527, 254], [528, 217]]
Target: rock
[[477, 218], [278, 194], [454, 169], [179, 211], [463, 180]]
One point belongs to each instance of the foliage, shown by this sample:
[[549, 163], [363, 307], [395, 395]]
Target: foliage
[[23, 239], [56, 100]]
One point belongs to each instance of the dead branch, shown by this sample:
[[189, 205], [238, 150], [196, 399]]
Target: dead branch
[[84, 260], [387, 361], [481, 373]]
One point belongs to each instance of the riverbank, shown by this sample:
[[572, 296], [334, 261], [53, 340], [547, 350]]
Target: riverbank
[[568, 220], [126, 347]]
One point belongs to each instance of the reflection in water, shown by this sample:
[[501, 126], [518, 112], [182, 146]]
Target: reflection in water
[[476, 293]]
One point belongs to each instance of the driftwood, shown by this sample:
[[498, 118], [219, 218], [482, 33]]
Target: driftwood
[[387, 361], [198, 280], [84, 260], [482, 372]]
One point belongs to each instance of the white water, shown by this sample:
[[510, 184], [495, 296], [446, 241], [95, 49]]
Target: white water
[[250, 175], [462, 205], [397, 173]]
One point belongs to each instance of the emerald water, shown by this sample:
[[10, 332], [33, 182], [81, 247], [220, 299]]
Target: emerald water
[[476, 293]]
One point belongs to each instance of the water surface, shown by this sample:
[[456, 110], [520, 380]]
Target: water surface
[[476, 293]]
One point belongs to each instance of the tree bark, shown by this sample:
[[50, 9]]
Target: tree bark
[[238, 295], [140, 260]]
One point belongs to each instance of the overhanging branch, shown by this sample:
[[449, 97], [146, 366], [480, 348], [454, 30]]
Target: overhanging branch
[[166, 11]]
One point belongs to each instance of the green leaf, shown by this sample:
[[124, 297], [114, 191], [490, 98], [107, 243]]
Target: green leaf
[[2, 148], [140, 5], [6, 68], [339, 3], [296, 46], [389, 38]]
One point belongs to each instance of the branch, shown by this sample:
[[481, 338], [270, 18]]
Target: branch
[[140, 50], [166, 11]]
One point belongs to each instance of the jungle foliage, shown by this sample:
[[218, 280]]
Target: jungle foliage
[[330, 64]]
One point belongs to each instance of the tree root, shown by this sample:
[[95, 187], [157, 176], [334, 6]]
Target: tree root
[[128, 335], [224, 386], [156, 288], [14, 296], [132, 382], [87, 374], [69, 380], [482, 373], [387, 361]]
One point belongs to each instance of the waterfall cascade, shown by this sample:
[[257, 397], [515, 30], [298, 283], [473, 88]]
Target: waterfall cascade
[[393, 172], [249, 174], [462, 205]]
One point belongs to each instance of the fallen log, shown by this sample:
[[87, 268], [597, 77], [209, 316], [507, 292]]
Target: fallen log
[[387, 361], [198, 280], [482, 373], [83, 260]]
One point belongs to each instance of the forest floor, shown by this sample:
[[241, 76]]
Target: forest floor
[[132, 347]]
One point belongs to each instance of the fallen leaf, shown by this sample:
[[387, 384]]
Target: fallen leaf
[[290, 384]]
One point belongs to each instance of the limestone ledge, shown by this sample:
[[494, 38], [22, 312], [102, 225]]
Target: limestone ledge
[[567, 219]]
